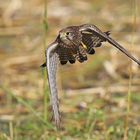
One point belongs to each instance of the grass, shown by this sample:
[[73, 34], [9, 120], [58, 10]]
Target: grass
[[93, 122]]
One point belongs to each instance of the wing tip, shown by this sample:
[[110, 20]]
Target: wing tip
[[43, 65], [108, 33]]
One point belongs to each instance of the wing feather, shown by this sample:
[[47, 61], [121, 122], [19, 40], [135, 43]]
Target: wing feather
[[97, 32], [65, 54], [51, 63], [92, 41]]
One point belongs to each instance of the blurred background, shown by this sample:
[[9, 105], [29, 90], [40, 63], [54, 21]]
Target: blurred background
[[99, 99]]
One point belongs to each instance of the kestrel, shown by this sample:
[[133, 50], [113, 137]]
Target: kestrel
[[74, 43]]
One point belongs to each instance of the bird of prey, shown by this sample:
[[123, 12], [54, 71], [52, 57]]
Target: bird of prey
[[74, 43]]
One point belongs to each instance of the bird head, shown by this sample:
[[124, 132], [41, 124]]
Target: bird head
[[69, 35]]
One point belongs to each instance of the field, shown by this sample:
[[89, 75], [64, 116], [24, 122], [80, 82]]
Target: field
[[99, 99]]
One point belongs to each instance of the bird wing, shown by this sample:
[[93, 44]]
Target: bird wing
[[65, 54], [92, 29], [51, 63], [90, 41]]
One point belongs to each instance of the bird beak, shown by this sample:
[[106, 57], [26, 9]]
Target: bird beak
[[62, 35]]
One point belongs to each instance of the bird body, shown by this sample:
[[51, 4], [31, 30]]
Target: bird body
[[74, 43]]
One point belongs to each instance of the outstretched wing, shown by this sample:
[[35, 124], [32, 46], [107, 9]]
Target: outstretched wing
[[91, 41], [92, 29], [51, 63]]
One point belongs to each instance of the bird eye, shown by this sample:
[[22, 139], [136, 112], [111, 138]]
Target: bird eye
[[67, 33]]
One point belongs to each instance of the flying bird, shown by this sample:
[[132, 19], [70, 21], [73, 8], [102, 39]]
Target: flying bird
[[74, 43]]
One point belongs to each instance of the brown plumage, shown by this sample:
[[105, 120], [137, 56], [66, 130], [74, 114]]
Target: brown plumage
[[74, 43]]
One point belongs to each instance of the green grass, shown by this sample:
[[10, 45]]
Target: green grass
[[94, 122]]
